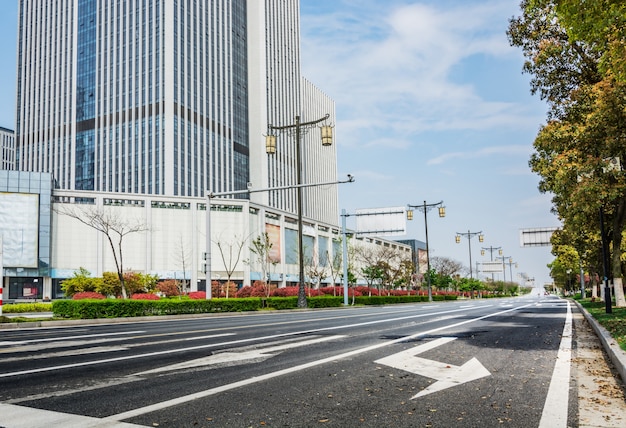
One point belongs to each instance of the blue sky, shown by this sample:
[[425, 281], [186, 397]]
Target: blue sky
[[431, 105]]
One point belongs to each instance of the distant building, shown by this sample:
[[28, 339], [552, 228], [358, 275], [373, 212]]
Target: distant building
[[43, 246], [418, 254], [7, 148]]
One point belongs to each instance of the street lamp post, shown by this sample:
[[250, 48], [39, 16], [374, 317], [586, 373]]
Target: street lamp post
[[270, 146], [491, 250], [504, 258], [469, 235], [425, 208]]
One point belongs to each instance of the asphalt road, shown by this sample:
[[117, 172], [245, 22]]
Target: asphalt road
[[482, 363]]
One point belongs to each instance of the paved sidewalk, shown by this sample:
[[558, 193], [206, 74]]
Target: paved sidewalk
[[601, 392]]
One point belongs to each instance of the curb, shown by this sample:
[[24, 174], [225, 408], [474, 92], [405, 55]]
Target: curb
[[613, 350]]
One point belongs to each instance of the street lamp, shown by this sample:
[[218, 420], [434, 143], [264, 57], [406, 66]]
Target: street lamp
[[491, 250], [409, 216], [270, 148], [469, 235]]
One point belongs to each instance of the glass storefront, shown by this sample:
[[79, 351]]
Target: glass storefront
[[27, 288]]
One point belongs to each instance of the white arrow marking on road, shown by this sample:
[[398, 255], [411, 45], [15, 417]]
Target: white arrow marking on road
[[447, 375], [230, 357]]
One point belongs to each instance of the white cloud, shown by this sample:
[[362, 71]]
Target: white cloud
[[514, 150], [392, 67]]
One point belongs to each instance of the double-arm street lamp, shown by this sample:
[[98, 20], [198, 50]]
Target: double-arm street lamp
[[469, 235], [508, 260], [491, 250], [270, 148], [409, 216]]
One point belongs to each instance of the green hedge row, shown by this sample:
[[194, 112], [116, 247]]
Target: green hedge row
[[19, 308], [112, 308]]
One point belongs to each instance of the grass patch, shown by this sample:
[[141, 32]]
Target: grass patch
[[615, 322]]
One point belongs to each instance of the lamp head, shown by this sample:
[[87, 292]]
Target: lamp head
[[327, 135], [270, 144]]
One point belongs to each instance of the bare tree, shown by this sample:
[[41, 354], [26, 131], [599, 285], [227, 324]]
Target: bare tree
[[445, 266], [262, 246], [231, 254], [182, 256], [316, 270], [334, 266], [111, 224]]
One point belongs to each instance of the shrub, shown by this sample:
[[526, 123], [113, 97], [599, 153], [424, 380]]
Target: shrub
[[197, 295], [168, 287], [18, 308], [145, 296], [88, 295]]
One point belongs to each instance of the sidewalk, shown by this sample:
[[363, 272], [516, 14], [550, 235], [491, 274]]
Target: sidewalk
[[597, 366]]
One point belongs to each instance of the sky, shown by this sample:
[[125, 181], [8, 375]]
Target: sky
[[431, 106]]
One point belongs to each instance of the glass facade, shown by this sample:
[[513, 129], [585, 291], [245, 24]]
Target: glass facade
[[26, 279], [86, 95]]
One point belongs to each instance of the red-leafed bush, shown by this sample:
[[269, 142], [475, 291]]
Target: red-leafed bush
[[366, 291], [145, 296], [285, 292], [197, 295], [168, 287], [88, 295]]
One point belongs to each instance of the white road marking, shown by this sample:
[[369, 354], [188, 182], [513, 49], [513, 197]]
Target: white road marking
[[61, 339], [192, 348], [213, 391], [26, 417], [555, 408], [230, 357], [447, 375], [40, 356]]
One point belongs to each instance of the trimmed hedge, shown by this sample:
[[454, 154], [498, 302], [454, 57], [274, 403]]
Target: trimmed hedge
[[117, 308], [114, 308], [19, 308]]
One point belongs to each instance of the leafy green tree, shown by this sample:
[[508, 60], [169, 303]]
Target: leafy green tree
[[81, 281], [470, 285], [373, 275], [601, 24], [579, 149]]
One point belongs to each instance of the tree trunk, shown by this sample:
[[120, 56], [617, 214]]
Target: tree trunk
[[618, 225]]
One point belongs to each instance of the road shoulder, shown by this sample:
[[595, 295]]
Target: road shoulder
[[601, 397]]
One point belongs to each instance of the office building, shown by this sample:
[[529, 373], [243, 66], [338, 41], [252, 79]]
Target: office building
[[7, 148], [167, 98], [140, 108]]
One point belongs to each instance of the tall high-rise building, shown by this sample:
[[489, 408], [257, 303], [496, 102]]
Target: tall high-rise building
[[167, 97], [7, 148]]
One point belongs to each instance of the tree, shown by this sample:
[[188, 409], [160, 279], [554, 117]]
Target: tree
[[571, 56], [446, 266], [81, 281], [602, 25], [231, 254], [181, 255], [335, 263], [261, 246], [113, 226]]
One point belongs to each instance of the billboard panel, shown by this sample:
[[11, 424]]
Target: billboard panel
[[381, 221], [536, 237], [19, 227], [492, 267], [273, 233]]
